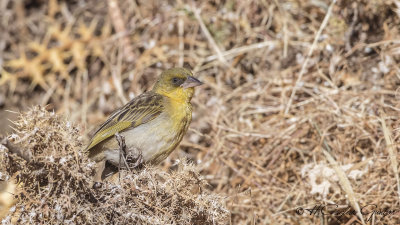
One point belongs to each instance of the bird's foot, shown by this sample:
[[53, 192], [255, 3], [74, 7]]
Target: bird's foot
[[134, 158], [97, 185], [129, 158]]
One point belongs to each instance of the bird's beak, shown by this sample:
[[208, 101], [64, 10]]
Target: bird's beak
[[191, 82]]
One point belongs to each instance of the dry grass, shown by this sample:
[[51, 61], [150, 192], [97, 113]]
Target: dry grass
[[55, 184], [295, 112]]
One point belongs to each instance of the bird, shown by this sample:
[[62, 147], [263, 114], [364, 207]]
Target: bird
[[152, 124]]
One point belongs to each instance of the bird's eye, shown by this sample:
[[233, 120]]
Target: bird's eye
[[177, 81]]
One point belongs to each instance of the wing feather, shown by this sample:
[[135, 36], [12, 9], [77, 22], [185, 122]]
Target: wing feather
[[139, 110]]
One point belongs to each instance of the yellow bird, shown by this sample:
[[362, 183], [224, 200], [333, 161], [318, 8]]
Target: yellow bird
[[153, 123]]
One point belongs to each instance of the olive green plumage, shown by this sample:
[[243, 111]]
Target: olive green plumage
[[153, 123], [139, 110]]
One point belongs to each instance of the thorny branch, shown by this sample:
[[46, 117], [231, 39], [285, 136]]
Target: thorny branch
[[26, 155]]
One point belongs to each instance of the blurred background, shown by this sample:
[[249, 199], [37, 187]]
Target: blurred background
[[285, 81]]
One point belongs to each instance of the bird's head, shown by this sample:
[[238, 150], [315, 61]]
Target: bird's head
[[177, 83]]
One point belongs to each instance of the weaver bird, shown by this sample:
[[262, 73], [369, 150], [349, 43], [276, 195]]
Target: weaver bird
[[153, 123]]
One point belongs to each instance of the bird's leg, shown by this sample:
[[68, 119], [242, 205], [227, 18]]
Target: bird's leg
[[98, 173], [122, 153], [99, 170], [130, 158]]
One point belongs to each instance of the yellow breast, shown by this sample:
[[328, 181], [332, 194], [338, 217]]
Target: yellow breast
[[180, 113]]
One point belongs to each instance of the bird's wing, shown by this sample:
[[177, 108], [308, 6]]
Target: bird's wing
[[139, 110]]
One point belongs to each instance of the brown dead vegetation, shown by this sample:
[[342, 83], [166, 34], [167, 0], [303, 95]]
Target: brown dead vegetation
[[300, 106]]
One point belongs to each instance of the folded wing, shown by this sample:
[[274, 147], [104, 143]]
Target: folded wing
[[139, 110]]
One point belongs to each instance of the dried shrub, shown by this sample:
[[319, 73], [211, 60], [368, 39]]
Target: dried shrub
[[54, 185]]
